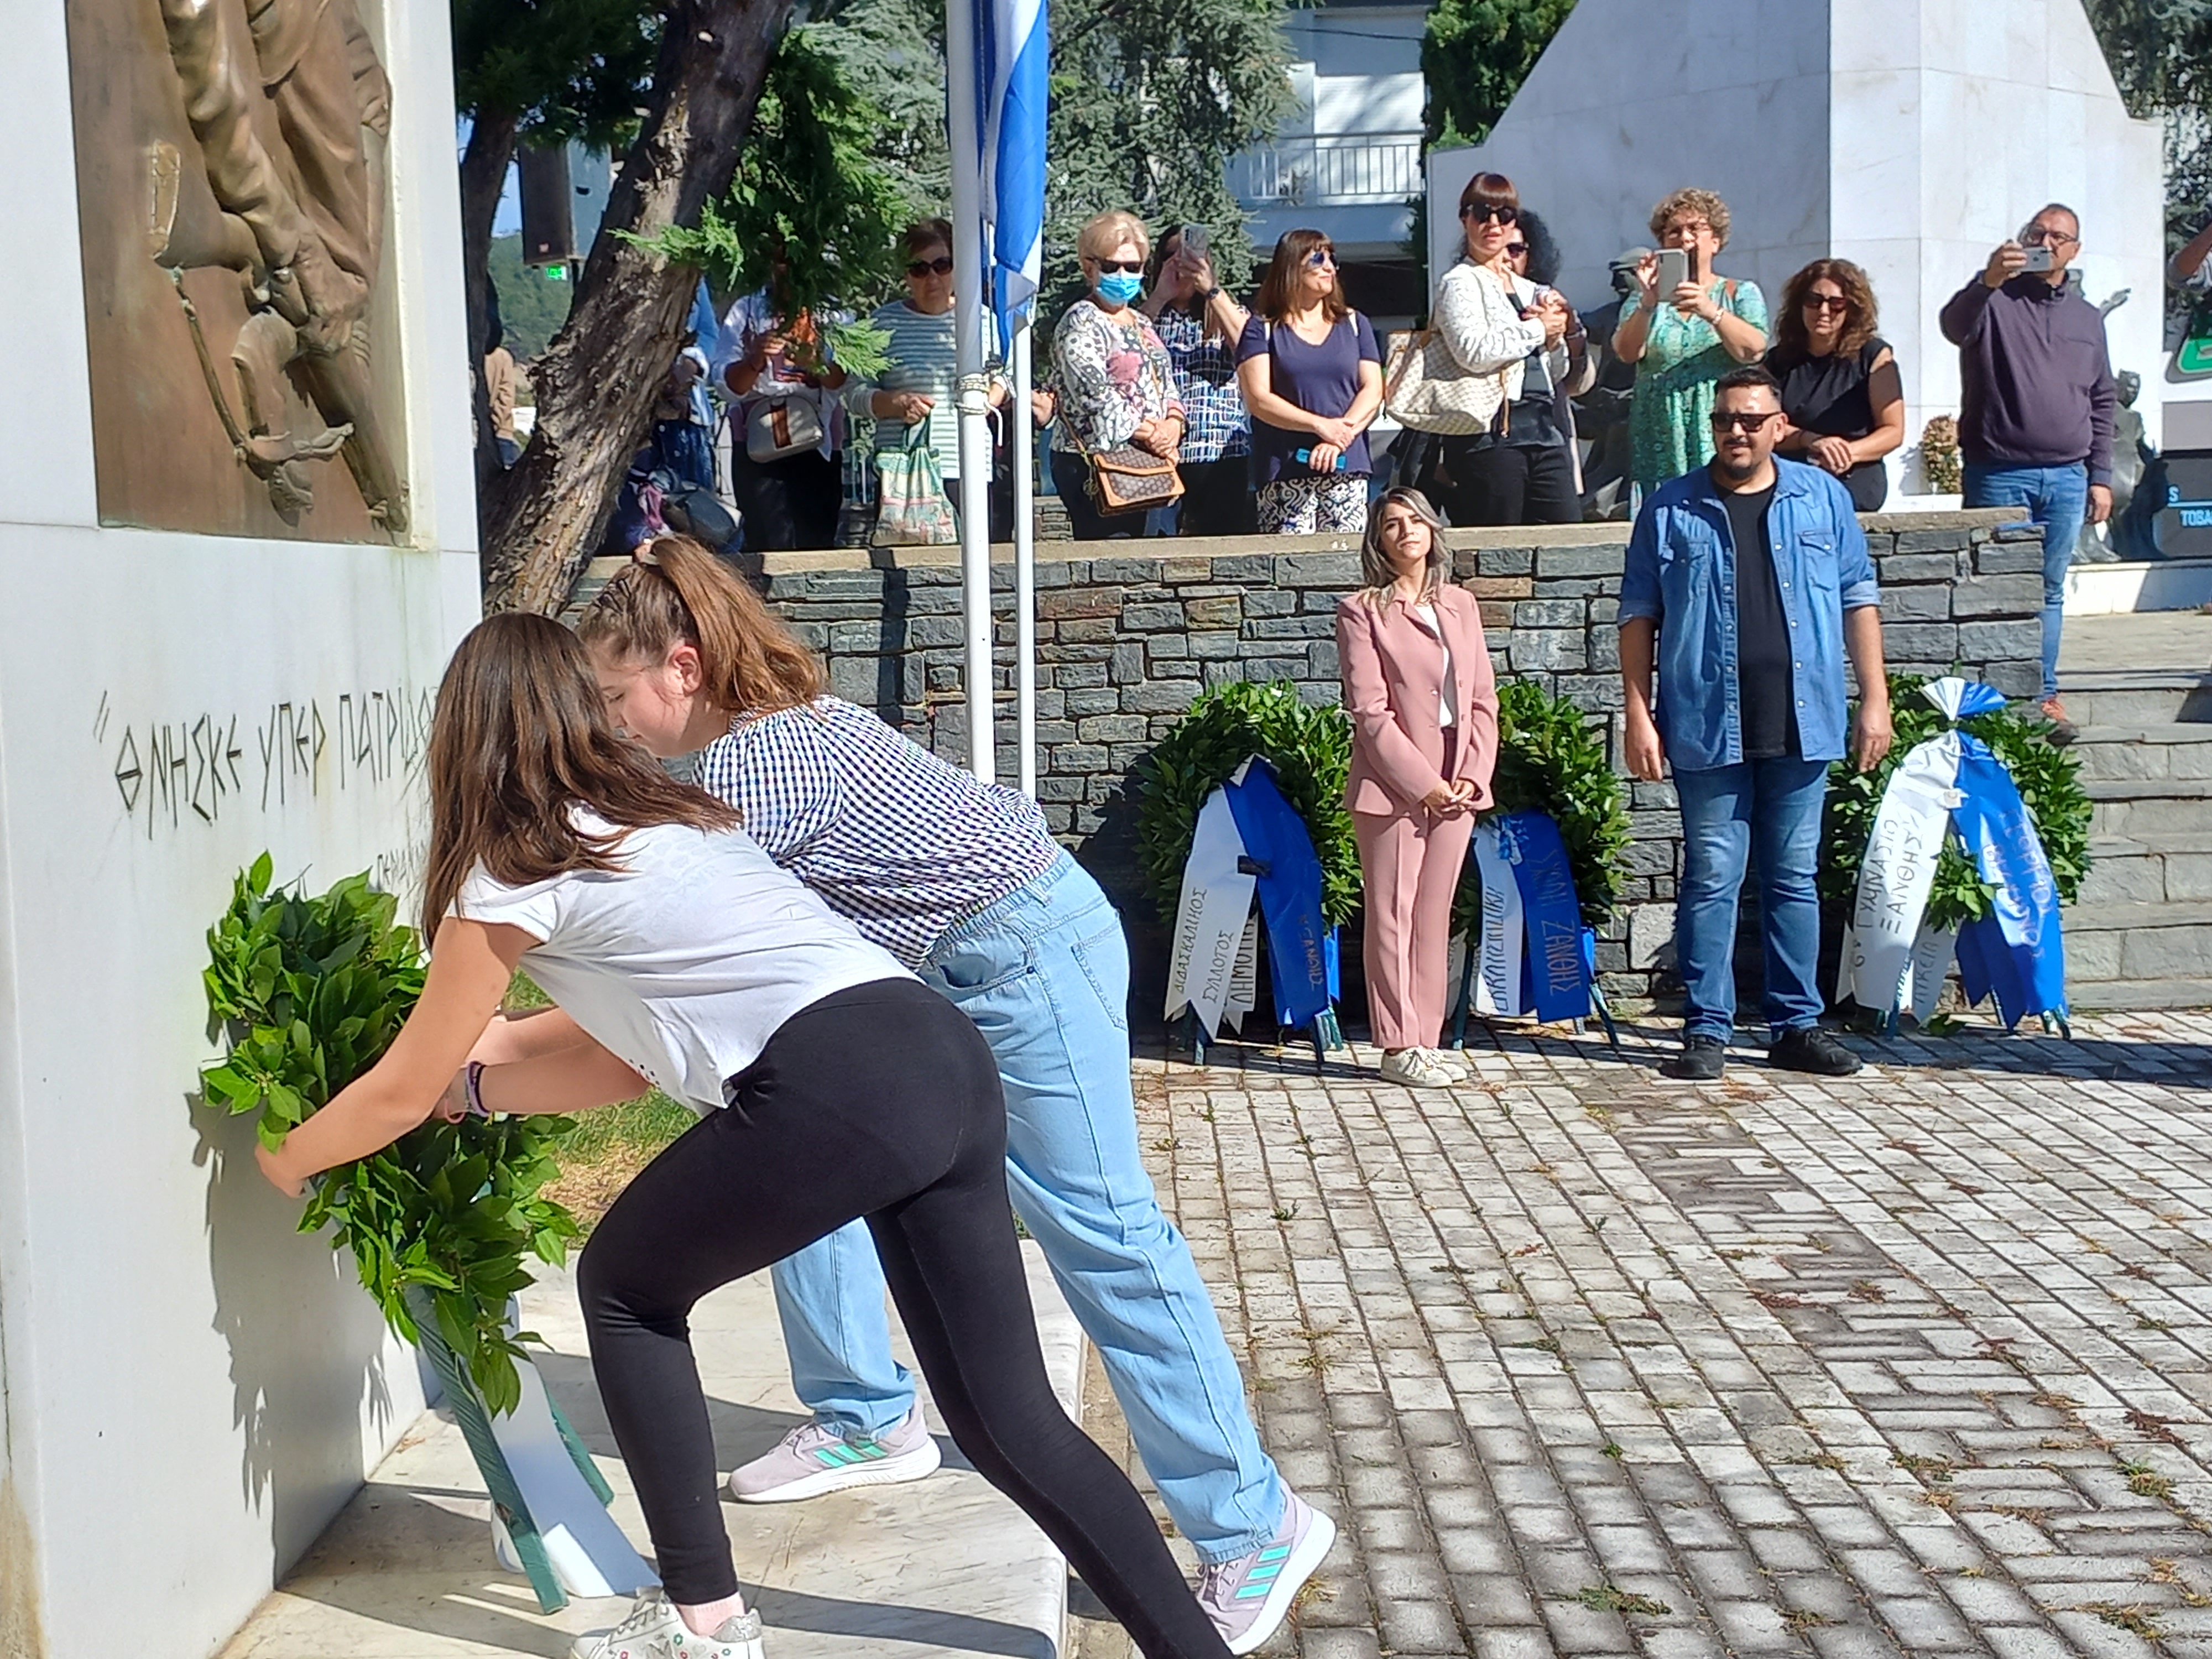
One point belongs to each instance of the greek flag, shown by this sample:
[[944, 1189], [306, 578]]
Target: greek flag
[[1013, 40]]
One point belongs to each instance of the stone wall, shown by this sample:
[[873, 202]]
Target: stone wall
[[1129, 633]]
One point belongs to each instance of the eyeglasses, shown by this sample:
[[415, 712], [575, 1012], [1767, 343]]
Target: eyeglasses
[[940, 266], [1134, 267], [1690, 227], [2040, 236], [1827, 302], [1482, 213], [1320, 258], [1742, 421]]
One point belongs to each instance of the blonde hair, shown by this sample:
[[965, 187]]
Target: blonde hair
[[1102, 232], [750, 663], [1700, 203], [1378, 577]]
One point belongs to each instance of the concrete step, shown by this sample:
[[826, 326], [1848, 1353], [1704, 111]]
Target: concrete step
[[2114, 697], [2120, 995], [2137, 940], [2140, 808], [2166, 749], [2153, 869]]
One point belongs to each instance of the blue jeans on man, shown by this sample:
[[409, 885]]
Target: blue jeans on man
[[1762, 811], [2057, 499]]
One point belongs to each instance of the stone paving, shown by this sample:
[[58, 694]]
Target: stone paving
[[1585, 1362]]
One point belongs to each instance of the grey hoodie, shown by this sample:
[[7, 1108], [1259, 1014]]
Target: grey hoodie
[[2038, 380]]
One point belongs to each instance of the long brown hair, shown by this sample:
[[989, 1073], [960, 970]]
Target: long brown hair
[[749, 662], [521, 739], [1378, 577], [1862, 322], [1278, 289]]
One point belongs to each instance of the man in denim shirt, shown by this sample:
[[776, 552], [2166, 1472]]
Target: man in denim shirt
[[1748, 582]]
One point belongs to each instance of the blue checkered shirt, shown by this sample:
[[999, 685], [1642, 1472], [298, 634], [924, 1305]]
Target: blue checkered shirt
[[1206, 379], [887, 834]]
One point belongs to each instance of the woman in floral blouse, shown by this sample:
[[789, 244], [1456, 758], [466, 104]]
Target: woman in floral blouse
[[1115, 385]]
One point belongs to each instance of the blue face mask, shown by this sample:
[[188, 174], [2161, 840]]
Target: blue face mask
[[1120, 286]]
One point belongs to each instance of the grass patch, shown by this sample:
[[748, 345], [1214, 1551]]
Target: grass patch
[[2144, 1481], [1611, 1598], [2135, 1618], [1798, 1620]]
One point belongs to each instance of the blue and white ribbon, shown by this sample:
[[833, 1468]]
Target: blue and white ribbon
[[1952, 784], [1534, 957]]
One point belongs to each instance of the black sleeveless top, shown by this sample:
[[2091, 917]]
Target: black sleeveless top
[[1828, 396]]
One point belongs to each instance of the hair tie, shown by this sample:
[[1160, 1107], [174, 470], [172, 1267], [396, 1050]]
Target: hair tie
[[643, 554]]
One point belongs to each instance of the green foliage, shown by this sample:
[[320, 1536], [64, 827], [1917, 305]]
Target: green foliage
[[1476, 54], [2161, 54], [532, 305], [809, 214], [564, 68], [2046, 776], [312, 992], [1550, 760], [1310, 748]]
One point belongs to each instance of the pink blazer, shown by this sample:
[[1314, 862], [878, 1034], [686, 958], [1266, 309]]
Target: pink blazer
[[1393, 689]]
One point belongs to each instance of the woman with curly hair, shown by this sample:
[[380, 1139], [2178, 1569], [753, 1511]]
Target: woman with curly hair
[[1840, 385], [1683, 342]]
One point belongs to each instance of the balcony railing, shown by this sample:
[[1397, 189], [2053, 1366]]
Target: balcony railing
[[1350, 171]]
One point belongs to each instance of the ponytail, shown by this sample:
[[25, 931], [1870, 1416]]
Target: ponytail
[[677, 592]]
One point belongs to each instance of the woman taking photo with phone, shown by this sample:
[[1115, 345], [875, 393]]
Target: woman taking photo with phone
[[1201, 322], [1840, 387], [1683, 332], [678, 954], [1312, 377], [1423, 699]]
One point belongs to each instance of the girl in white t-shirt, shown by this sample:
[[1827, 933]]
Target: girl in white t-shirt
[[678, 954]]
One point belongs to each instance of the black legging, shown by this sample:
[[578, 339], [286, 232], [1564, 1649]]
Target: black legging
[[881, 1101]]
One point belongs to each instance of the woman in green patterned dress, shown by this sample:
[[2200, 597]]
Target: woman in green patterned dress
[[1682, 342]]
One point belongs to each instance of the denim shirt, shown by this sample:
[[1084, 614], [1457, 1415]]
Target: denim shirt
[[1681, 573]]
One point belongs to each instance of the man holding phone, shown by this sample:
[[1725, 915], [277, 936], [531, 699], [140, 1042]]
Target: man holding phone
[[2035, 426]]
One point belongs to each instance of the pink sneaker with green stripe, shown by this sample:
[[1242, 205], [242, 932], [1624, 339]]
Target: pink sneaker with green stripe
[[1248, 1597], [814, 1460]]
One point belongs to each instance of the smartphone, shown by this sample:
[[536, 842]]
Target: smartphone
[[1193, 242], [1304, 457], [1673, 270], [2038, 258]]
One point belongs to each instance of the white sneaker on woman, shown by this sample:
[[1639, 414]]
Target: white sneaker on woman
[[1450, 1062], [1417, 1068], [644, 1634]]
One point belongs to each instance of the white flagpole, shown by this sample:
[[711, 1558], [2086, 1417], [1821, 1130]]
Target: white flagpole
[[972, 263], [1024, 447]]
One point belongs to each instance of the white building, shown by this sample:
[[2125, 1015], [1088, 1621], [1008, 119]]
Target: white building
[[1347, 161], [1909, 136]]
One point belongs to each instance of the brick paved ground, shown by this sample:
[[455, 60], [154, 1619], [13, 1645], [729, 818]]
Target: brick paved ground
[[1588, 1363]]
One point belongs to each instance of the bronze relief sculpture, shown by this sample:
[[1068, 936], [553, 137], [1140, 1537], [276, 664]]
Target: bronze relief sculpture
[[257, 136]]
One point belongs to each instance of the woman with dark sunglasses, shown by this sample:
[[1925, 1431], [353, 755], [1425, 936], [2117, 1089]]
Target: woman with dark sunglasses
[[1840, 385], [1111, 371], [918, 385], [1491, 332]]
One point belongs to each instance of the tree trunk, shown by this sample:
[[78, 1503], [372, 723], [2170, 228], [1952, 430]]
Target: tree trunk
[[597, 383], [483, 176]]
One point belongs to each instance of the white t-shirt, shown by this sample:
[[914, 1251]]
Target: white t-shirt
[[1448, 698], [685, 963]]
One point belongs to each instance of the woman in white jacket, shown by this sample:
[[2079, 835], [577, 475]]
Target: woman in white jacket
[[1500, 475]]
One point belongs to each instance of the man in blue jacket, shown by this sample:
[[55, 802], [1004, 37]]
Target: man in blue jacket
[[1747, 583]]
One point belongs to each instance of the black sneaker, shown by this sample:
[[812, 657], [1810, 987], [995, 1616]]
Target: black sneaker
[[1699, 1062], [1809, 1048]]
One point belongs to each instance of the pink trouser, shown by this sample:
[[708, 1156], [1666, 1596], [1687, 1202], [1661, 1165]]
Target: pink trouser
[[1411, 862]]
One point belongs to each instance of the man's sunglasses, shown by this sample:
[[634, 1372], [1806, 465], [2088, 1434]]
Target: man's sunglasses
[[1743, 420], [1481, 215], [940, 266], [1134, 267]]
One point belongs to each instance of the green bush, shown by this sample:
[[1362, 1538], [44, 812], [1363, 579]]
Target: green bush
[[2047, 781], [1310, 748], [312, 991]]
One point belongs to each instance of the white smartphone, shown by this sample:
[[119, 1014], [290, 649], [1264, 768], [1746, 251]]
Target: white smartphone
[[2038, 258], [1192, 241], [1673, 270]]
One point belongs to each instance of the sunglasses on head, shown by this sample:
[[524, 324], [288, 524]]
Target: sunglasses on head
[[940, 266], [1741, 420], [1134, 267], [1482, 214]]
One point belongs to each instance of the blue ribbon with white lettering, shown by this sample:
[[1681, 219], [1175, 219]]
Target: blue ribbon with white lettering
[[2017, 952], [1555, 983], [1300, 953]]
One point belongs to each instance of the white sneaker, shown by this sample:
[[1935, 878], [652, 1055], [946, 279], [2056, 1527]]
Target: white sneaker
[[813, 1460], [1450, 1062], [651, 1623], [1417, 1069], [739, 1638]]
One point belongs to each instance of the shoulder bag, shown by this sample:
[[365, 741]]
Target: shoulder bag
[[1424, 387]]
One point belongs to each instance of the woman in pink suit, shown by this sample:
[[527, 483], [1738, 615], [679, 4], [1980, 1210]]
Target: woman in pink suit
[[1424, 705]]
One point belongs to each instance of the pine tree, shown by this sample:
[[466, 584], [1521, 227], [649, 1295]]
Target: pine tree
[[1475, 56]]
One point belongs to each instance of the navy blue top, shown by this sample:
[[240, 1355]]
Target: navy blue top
[[1322, 380]]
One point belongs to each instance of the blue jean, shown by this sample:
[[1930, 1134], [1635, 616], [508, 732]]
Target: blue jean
[[1044, 974], [1773, 807], [2057, 498]]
